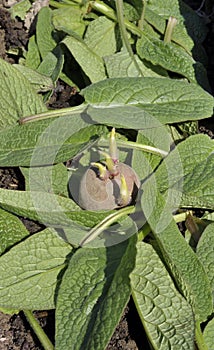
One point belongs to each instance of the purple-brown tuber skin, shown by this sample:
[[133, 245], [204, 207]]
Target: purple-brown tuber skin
[[98, 194]]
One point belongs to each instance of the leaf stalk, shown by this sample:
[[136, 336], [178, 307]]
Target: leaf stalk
[[41, 335], [102, 225], [121, 22]]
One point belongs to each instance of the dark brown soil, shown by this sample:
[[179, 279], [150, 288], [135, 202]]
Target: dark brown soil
[[15, 333]]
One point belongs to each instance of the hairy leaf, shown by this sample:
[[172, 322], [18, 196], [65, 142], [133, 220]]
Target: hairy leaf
[[17, 97], [44, 29], [127, 102], [38, 81], [209, 334], [186, 175], [92, 296], [205, 253], [182, 262], [11, 230], [166, 315], [90, 62], [69, 19], [172, 58], [100, 36], [29, 272], [47, 142], [49, 209]]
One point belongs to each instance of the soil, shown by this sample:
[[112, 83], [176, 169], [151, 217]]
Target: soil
[[15, 333]]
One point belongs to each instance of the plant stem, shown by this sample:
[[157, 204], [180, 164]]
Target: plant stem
[[120, 18], [52, 114], [42, 336], [141, 20], [199, 338], [134, 145], [169, 29], [102, 225], [109, 12]]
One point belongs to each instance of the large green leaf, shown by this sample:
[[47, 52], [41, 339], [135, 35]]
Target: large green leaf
[[52, 179], [90, 62], [186, 174], [29, 272], [33, 58], [145, 102], [11, 230], [38, 81], [144, 163], [205, 253], [69, 19], [172, 58], [44, 32], [100, 36], [166, 315], [120, 64], [209, 334], [179, 35], [52, 64], [92, 296], [195, 26], [47, 141], [50, 209], [17, 97], [182, 262]]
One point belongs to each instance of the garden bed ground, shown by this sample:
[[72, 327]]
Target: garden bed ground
[[15, 332]]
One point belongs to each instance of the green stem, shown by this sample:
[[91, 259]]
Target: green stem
[[121, 19], [102, 225], [145, 148], [199, 338], [141, 20], [53, 114], [144, 231], [169, 29], [109, 12], [43, 338], [134, 145]]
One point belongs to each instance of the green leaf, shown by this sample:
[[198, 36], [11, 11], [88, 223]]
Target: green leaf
[[180, 34], [33, 56], [121, 65], [92, 296], [11, 230], [17, 97], [181, 261], [196, 26], [127, 102], [69, 19], [20, 9], [51, 179], [44, 32], [205, 253], [90, 62], [100, 36], [50, 209], [39, 82], [52, 64], [209, 334], [172, 58], [165, 314], [29, 272], [186, 175], [145, 163], [47, 141]]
